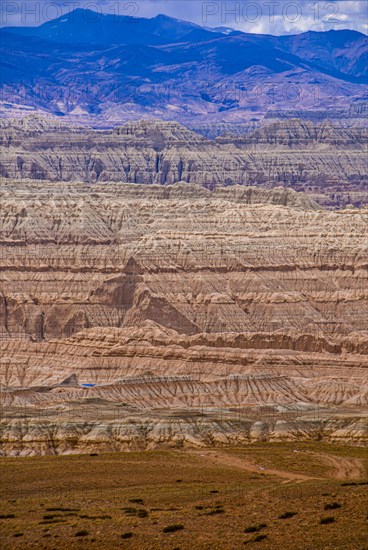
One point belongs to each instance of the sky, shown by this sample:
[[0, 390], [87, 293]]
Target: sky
[[258, 16]]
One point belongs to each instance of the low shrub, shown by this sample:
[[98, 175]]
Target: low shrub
[[258, 538], [328, 519], [86, 516], [255, 528], [287, 515], [81, 533], [137, 512], [348, 483], [173, 528], [332, 506], [130, 511], [215, 511], [62, 509], [49, 521]]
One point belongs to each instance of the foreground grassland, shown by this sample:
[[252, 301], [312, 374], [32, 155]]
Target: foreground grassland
[[271, 496]]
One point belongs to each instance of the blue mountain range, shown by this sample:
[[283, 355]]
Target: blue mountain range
[[95, 64]]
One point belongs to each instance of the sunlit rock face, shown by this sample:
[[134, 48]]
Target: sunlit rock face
[[137, 316]]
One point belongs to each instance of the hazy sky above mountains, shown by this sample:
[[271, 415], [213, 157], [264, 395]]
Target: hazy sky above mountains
[[259, 16]]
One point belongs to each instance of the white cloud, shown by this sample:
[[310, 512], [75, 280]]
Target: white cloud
[[261, 16]]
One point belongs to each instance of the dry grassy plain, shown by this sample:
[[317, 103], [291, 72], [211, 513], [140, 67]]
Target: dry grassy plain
[[223, 498]]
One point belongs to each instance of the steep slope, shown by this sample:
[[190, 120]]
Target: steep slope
[[339, 51], [140, 316]]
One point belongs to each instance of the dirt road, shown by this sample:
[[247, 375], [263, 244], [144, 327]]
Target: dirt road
[[236, 462], [343, 468]]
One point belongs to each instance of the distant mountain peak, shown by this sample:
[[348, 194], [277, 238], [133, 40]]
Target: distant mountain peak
[[164, 17], [91, 63], [90, 27]]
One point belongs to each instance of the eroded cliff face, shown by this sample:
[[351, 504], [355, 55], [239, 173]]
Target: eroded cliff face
[[301, 134], [137, 316], [324, 160]]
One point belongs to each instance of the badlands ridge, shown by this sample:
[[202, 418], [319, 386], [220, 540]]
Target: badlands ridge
[[326, 160], [137, 317]]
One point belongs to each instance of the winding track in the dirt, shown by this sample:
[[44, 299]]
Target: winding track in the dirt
[[344, 468], [219, 457]]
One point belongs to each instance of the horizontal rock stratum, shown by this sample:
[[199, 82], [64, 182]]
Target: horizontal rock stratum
[[329, 162], [134, 317]]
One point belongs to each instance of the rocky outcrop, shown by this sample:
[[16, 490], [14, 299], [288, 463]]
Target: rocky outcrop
[[144, 152], [301, 134], [81, 433], [136, 316], [326, 161]]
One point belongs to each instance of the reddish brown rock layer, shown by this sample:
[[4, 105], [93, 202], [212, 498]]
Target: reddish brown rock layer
[[243, 313]]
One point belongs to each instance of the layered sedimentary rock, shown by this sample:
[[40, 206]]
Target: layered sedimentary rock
[[301, 134], [137, 316], [144, 152], [326, 161]]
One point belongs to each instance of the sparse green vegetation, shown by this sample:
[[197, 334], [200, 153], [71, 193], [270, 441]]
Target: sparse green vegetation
[[75, 503], [137, 512]]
